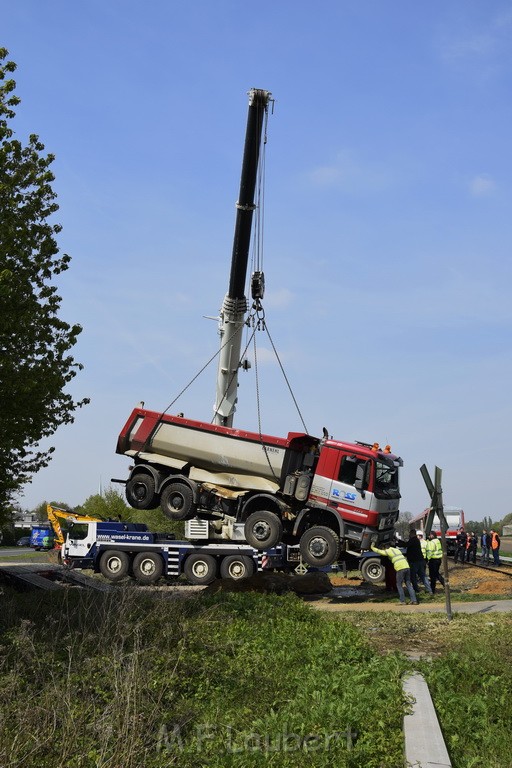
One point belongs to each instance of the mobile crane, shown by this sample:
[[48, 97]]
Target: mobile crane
[[324, 494]]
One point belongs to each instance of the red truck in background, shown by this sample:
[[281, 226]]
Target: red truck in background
[[454, 518]]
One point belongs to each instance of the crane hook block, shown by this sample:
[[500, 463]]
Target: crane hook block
[[257, 285]]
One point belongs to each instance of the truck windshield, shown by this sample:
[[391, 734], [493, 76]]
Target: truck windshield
[[386, 480]]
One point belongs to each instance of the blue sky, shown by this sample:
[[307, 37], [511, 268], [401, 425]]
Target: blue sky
[[387, 220]]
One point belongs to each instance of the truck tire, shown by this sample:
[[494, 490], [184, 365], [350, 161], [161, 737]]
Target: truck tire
[[319, 546], [237, 567], [373, 570], [147, 567], [263, 529], [114, 564], [200, 569], [177, 501], [140, 491]]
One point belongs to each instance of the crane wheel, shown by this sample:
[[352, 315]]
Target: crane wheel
[[148, 567], [114, 564], [200, 569], [237, 567]]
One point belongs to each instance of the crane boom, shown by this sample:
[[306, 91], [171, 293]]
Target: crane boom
[[234, 308]]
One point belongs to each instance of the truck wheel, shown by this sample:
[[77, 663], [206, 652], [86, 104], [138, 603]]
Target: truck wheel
[[140, 491], [319, 546], [200, 569], [237, 567], [263, 530], [147, 567], [372, 570], [177, 501], [114, 565]]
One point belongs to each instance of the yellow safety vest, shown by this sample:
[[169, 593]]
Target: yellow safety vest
[[398, 560], [424, 545], [434, 549]]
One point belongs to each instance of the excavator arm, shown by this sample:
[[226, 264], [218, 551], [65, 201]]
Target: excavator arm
[[55, 515]]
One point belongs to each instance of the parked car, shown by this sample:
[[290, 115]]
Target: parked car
[[23, 542]]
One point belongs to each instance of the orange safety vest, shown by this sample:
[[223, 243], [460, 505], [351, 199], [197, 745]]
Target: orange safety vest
[[494, 541]]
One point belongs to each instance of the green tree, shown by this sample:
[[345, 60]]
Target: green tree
[[507, 520], [110, 505], [474, 525], [35, 363], [403, 524]]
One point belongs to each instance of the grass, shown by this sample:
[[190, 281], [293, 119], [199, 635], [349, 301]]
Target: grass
[[129, 679], [124, 680], [25, 556]]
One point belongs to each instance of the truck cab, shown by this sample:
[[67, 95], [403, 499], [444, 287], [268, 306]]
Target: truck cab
[[359, 483]]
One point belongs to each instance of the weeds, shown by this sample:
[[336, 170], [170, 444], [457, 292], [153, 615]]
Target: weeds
[[121, 680], [124, 680]]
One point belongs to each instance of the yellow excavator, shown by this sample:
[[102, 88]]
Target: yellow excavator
[[55, 515]]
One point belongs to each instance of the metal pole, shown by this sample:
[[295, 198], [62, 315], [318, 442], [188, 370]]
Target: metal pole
[[444, 527], [436, 508]]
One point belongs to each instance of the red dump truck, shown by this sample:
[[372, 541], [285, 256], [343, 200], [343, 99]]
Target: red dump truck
[[322, 492]]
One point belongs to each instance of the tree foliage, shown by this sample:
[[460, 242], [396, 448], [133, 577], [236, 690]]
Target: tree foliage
[[109, 506], [35, 344], [112, 506], [403, 524]]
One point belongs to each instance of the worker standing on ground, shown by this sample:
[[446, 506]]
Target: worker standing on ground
[[423, 544], [403, 572], [485, 544], [473, 546], [434, 557], [414, 555], [495, 547], [461, 541]]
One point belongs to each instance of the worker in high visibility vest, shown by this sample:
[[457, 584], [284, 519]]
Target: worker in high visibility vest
[[495, 547], [423, 544], [403, 572], [434, 557]]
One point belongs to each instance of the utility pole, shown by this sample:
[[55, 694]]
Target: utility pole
[[436, 508]]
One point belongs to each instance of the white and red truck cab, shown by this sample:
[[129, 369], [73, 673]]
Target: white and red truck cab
[[323, 493]]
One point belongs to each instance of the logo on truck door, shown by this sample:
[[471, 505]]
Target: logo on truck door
[[348, 496]]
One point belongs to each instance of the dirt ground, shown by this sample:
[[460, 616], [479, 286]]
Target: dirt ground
[[463, 579]]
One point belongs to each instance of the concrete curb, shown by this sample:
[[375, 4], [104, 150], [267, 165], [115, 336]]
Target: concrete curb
[[424, 742]]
